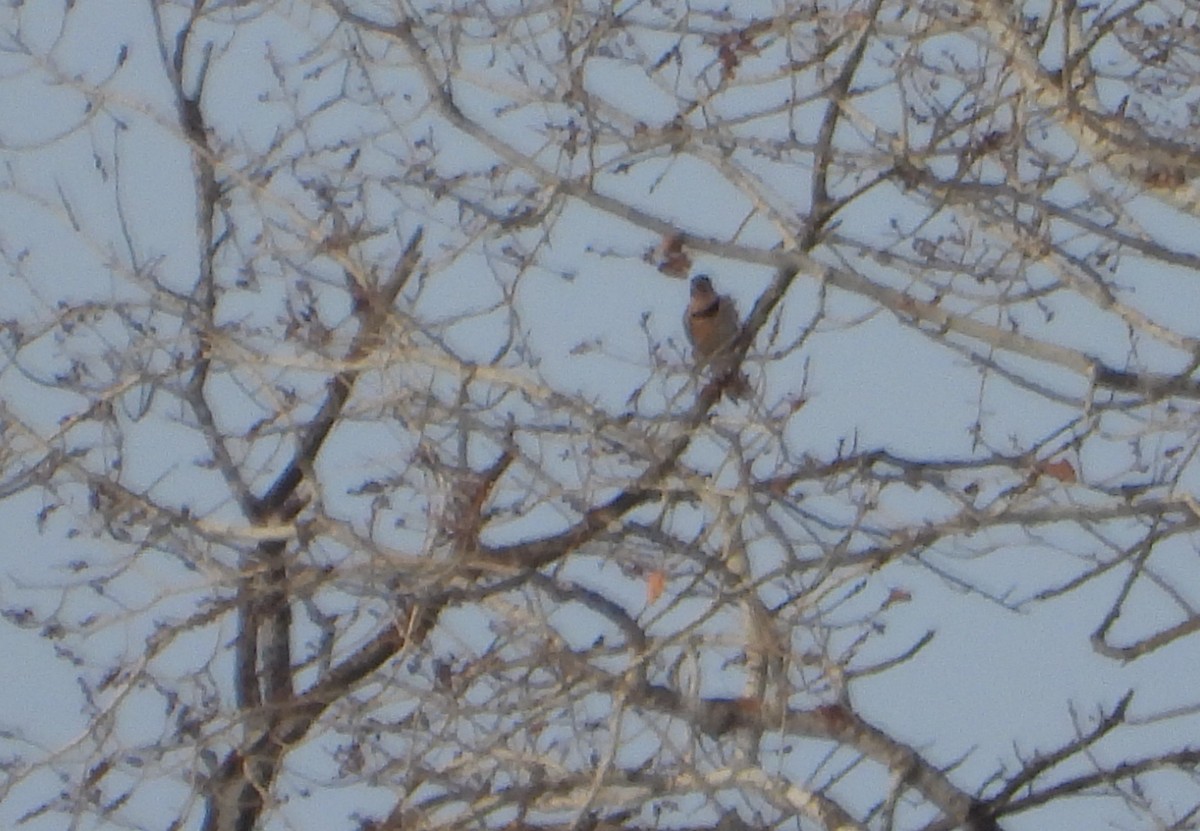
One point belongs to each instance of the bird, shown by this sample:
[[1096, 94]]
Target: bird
[[711, 324]]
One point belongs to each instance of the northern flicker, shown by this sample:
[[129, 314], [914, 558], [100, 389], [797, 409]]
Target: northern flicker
[[711, 323]]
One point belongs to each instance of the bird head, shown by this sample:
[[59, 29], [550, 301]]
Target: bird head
[[702, 286]]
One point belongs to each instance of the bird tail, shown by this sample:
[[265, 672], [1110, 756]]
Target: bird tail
[[736, 386]]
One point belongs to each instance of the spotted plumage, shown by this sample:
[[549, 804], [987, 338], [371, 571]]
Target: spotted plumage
[[711, 323]]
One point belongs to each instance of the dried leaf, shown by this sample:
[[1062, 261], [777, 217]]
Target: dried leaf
[[656, 584], [1060, 470], [672, 260]]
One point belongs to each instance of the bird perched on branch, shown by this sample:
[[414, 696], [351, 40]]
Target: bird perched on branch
[[711, 323]]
